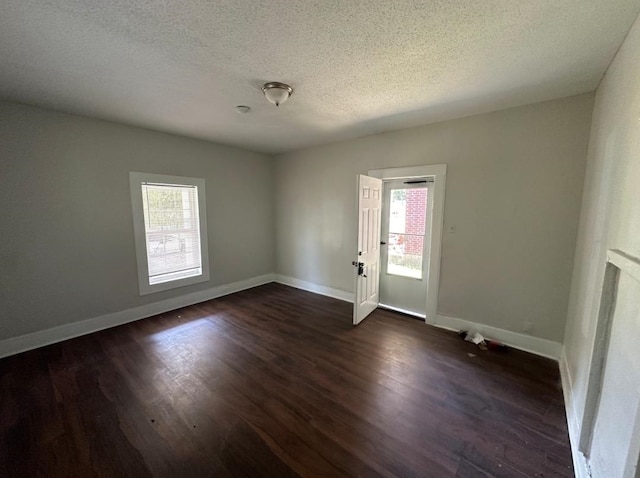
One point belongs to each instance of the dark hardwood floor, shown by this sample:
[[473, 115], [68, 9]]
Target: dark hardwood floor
[[274, 381]]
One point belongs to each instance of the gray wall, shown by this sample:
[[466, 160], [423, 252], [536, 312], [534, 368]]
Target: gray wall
[[513, 190], [514, 185], [610, 219], [67, 249]]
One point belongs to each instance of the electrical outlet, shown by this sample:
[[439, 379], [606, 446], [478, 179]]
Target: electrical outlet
[[527, 327]]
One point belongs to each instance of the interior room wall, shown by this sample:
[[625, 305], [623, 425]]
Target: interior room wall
[[610, 219], [67, 247], [514, 186]]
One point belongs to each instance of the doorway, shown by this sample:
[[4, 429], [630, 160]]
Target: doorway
[[404, 257], [428, 284]]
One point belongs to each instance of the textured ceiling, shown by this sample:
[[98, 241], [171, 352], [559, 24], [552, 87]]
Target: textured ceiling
[[357, 67]]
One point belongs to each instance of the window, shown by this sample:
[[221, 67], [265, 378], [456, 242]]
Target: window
[[169, 220], [407, 227]]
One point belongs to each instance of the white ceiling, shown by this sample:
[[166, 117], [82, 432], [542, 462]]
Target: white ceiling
[[357, 67]]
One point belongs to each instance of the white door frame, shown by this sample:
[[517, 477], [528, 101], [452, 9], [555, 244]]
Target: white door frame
[[439, 174], [617, 263]]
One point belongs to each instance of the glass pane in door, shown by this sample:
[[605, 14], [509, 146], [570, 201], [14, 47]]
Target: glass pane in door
[[405, 255], [407, 225]]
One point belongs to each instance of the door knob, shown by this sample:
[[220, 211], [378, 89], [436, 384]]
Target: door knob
[[360, 266]]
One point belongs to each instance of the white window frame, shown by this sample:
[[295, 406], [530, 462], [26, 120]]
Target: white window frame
[[136, 180]]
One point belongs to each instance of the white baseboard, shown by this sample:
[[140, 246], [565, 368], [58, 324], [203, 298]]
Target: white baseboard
[[315, 288], [41, 338], [528, 343], [580, 463]]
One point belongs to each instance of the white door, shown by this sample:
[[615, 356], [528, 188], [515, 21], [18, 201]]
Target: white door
[[404, 262], [367, 263]]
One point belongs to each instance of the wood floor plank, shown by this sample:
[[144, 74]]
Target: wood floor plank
[[274, 381]]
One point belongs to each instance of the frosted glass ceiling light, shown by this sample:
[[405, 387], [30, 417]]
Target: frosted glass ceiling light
[[276, 93]]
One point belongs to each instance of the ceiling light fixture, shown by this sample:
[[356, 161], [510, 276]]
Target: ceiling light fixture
[[276, 92], [242, 109]]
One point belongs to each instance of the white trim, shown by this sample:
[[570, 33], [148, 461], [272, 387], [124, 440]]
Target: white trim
[[535, 345], [14, 345], [135, 182], [580, 464], [315, 288], [617, 262], [627, 264], [599, 352], [439, 174], [528, 343], [41, 338], [388, 174]]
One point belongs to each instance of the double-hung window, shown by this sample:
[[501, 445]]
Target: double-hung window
[[170, 229]]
